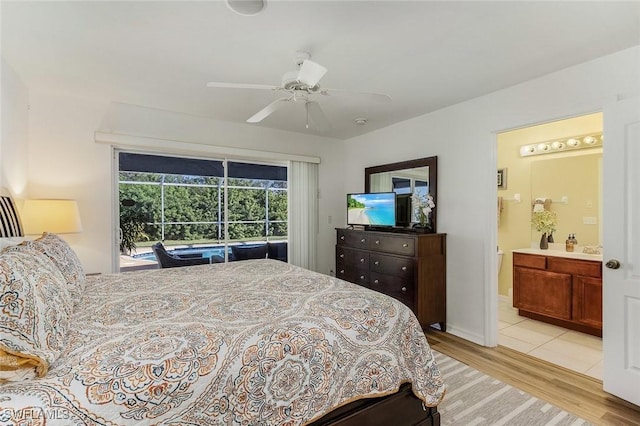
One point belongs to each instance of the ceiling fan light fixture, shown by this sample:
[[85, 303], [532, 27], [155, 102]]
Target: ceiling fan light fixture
[[360, 121], [247, 7]]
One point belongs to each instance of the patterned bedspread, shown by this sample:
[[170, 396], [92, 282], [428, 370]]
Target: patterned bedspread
[[251, 342]]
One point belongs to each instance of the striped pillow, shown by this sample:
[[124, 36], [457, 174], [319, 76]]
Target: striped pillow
[[9, 221]]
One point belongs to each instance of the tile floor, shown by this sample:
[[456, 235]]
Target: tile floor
[[570, 349]]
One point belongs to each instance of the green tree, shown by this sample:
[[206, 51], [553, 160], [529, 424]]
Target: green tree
[[190, 205]]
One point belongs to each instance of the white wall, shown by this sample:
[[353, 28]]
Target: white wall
[[14, 133], [463, 138], [65, 161]]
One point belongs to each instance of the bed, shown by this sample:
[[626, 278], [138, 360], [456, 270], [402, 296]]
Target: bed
[[256, 342]]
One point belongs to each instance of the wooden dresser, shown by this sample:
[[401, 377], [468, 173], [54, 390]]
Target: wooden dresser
[[407, 266], [558, 290]]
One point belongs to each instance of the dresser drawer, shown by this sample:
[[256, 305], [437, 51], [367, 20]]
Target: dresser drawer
[[529, 260], [353, 258], [360, 277], [357, 276], [343, 273], [392, 265], [398, 288], [405, 246], [356, 239]]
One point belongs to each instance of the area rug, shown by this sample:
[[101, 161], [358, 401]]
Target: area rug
[[473, 398]]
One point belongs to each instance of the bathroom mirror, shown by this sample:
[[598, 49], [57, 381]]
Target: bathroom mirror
[[576, 180], [405, 177]]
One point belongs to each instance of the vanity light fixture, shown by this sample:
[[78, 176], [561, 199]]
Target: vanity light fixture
[[577, 142]]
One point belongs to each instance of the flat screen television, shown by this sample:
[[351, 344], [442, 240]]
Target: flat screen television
[[371, 209]]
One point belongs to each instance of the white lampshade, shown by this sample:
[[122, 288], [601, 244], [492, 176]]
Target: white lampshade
[[55, 216]]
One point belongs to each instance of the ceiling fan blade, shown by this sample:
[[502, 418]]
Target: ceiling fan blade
[[315, 113], [311, 72], [373, 96], [242, 86], [268, 110]]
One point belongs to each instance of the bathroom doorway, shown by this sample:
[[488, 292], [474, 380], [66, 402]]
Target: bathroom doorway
[[559, 164]]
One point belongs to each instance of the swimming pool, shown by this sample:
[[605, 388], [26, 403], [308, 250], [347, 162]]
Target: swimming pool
[[204, 251]]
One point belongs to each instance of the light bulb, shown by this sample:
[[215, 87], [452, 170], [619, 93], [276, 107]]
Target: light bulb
[[527, 149], [573, 142]]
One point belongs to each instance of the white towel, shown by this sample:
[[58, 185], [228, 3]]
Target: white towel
[[539, 205]]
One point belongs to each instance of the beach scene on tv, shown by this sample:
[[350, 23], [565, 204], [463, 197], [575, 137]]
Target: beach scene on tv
[[377, 209]]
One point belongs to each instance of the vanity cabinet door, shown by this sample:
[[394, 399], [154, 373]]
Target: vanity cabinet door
[[542, 292], [587, 301]]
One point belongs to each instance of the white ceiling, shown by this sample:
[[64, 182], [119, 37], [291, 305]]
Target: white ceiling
[[425, 55]]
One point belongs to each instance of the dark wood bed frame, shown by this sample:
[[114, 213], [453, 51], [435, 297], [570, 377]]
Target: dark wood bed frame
[[401, 408]]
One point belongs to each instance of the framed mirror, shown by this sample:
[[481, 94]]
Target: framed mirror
[[406, 177]]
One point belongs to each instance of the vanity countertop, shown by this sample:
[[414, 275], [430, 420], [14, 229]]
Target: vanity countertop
[[561, 253]]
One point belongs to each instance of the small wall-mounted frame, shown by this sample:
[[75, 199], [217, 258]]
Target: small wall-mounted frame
[[502, 178]]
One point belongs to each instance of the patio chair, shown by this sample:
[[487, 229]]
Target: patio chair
[[169, 260]]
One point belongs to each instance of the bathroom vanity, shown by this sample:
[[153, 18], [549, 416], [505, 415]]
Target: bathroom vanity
[[560, 288]]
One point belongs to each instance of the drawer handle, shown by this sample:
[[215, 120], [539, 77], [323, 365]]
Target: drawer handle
[[362, 260], [377, 241], [404, 268], [363, 241], [362, 277], [342, 237], [376, 263], [342, 271], [375, 282], [342, 256], [405, 245], [404, 289]]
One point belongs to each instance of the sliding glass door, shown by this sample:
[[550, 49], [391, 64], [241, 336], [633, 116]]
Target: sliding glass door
[[197, 206]]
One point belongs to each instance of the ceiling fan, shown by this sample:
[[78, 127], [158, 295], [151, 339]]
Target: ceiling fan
[[299, 86]]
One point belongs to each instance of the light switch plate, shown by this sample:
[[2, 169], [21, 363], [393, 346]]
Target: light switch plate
[[589, 220]]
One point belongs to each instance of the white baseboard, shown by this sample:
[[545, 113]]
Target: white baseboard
[[463, 334], [508, 298]]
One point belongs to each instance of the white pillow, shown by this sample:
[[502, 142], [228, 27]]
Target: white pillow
[[10, 241]]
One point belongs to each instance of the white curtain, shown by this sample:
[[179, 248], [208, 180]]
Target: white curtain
[[381, 182], [303, 213]]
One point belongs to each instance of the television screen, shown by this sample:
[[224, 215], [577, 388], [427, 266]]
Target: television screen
[[374, 209]]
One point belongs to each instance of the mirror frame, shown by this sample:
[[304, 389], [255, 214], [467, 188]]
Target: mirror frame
[[431, 162]]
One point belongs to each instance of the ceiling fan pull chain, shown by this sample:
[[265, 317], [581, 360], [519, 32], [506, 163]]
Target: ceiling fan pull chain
[[306, 107]]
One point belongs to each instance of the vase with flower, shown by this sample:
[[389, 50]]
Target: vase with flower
[[423, 205], [544, 221]]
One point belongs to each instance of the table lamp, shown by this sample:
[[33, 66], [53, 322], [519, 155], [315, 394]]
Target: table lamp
[[55, 216]]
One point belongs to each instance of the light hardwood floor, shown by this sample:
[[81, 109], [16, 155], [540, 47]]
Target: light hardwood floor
[[574, 392]]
